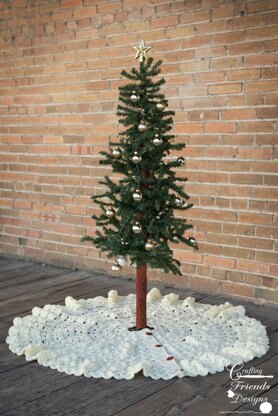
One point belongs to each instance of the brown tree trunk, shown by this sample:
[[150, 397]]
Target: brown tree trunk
[[141, 284], [141, 297]]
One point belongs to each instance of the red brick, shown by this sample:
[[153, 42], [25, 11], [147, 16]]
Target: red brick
[[228, 37], [209, 77], [246, 48], [256, 126], [225, 88], [211, 27], [225, 63], [238, 289], [210, 51], [267, 112], [242, 74], [271, 72], [219, 262], [249, 217], [262, 33], [260, 60], [243, 22], [70, 3], [259, 6], [238, 114], [219, 127], [189, 128], [204, 115], [253, 266], [164, 22]]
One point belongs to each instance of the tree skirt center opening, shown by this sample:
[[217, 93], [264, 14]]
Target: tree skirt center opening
[[91, 337]]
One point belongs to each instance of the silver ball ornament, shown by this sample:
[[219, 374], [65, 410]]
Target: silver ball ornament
[[136, 228], [137, 196], [176, 239], [142, 127], [181, 160], [136, 158], [178, 202], [191, 240], [149, 245], [134, 98], [157, 141], [110, 212]]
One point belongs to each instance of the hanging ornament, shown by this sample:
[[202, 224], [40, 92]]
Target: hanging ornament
[[176, 239], [160, 106], [192, 240], [122, 261], [136, 158], [157, 140], [181, 160], [137, 196], [134, 98], [110, 212], [142, 126], [178, 202], [117, 153], [116, 268], [136, 228], [149, 245]]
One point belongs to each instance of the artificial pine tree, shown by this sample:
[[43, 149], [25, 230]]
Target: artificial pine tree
[[137, 211]]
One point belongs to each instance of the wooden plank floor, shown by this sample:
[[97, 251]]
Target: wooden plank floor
[[28, 389]]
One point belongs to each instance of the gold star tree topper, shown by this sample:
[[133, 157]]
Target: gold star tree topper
[[141, 51]]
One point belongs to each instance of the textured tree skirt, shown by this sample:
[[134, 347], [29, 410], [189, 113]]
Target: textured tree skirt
[[91, 337]]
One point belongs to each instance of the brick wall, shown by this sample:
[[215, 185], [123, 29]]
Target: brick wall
[[60, 64]]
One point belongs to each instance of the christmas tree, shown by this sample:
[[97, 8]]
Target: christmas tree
[[137, 216]]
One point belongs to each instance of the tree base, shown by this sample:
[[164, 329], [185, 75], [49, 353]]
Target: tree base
[[134, 328]]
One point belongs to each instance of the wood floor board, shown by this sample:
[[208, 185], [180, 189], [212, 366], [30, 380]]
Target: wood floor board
[[28, 389]]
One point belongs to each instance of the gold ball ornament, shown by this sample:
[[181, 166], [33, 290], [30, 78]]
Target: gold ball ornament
[[110, 212], [136, 158], [117, 153], [142, 127], [149, 245], [160, 106], [116, 268], [134, 98], [136, 228], [137, 196]]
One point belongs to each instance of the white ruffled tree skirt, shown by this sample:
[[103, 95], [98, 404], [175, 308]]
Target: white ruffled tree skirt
[[91, 337]]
